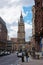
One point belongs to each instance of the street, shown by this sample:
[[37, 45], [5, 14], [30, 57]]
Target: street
[[12, 59], [9, 59]]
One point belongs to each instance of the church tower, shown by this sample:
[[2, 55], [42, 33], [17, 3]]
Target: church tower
[[21, 31]]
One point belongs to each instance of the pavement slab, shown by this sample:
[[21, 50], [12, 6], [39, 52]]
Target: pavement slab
[[33, 62]]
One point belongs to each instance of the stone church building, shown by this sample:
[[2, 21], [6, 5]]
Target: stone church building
[[21, 32]]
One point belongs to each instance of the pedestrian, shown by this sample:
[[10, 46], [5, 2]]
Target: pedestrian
[[22, 57], [27, 56]]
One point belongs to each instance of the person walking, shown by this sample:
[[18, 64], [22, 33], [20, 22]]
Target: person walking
[[22, 57], [26, 56]]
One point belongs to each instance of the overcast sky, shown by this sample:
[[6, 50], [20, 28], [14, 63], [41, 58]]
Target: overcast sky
[[10, 11]]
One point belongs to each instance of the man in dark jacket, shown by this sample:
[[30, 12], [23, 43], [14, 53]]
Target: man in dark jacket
[[22, 57], [27, 56]]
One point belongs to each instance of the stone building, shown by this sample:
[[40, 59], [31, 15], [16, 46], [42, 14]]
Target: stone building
[[33, 27], [42, 28], [3, 34], [3, 30], [15, 44], [37, 23], [19, 42], [33, 20], [21, 32], [9, 46]]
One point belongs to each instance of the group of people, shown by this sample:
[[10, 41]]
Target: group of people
[[26, 54]]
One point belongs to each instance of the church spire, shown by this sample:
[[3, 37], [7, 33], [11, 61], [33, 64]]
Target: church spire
[[21, 16]]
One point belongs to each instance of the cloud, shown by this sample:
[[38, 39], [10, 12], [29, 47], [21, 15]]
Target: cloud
[[14, 29], [28, 30], [13, 34], [29, 33], [9, 3], [24, 14], [28, 26], [10, 11], [10, 14], [27, 2]]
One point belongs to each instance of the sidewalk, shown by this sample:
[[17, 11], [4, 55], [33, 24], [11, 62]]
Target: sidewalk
[[24, 63], [31, 62]]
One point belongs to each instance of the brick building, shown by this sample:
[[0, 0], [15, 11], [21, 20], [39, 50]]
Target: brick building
[[3, 34], [38, 23]]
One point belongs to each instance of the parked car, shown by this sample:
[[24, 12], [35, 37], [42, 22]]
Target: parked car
[[2, 53], [7, 53], [16, 52]]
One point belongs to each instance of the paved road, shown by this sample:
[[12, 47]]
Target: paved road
[[9, 59]]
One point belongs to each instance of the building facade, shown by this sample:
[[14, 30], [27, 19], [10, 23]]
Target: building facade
[[33, 20], [15, 44], [3, 34], [9, 46], [3, 30], [37, 23], [21, 31]]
